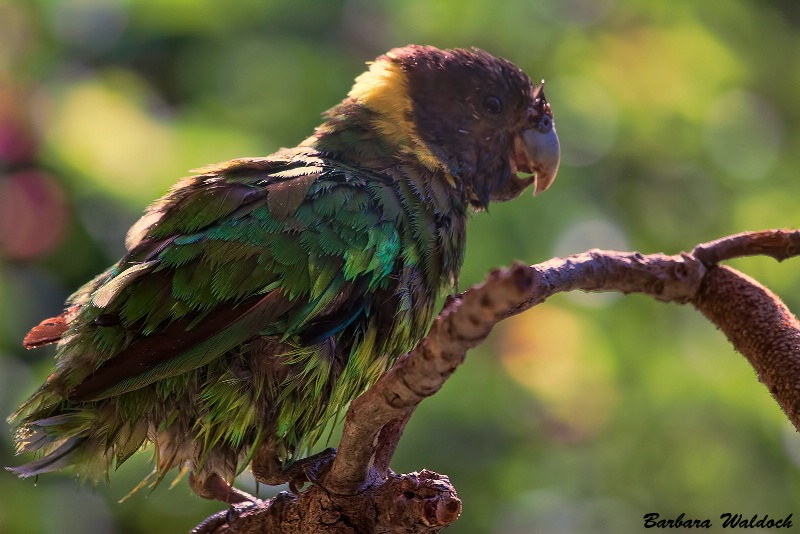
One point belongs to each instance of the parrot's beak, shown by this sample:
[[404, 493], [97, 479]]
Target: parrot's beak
[[543, 155], [536, 147], [535, 152]]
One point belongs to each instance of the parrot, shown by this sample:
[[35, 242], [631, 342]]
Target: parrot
[[261, 295]]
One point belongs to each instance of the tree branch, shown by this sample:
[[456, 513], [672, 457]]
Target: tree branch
[[761, 328], [361, 488]]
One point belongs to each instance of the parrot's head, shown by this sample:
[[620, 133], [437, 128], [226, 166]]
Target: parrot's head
[[475, 116]]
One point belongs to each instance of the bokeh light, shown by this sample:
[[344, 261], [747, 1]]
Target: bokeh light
[[744, 135], [33, 215], [102, 129], [546, 351], [91, 25], [587, 119]]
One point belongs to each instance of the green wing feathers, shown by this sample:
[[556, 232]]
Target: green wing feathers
[[289, 252]]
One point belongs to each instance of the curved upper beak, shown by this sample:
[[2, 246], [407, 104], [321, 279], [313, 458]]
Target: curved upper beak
[[535, 151], [541, 152]]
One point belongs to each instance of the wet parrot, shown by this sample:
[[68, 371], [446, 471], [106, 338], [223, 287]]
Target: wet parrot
[[259, 296]]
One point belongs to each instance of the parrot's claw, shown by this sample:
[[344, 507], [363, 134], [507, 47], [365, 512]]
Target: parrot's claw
[[224, 518], [308, 469], [215, 488]]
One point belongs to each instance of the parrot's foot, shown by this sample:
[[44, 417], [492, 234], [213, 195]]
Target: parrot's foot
[[218, 521], [267, 470], [215, 488]]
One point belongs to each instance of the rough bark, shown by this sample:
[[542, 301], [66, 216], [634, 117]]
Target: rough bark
[[402, 504], [360, 494], [761, 328]]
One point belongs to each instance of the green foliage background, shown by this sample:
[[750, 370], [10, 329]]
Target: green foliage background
[[679, 124]]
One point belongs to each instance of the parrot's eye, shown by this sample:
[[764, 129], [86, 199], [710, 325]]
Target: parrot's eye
[[493, 105]]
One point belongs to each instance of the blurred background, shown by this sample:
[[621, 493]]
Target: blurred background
[[679, 121]]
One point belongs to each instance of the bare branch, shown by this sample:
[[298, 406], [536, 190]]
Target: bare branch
[[760, 327], [779, 244]]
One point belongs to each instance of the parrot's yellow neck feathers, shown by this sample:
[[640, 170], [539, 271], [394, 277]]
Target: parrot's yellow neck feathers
[[384, 90]]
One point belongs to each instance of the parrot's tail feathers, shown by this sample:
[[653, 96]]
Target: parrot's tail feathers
[[40, 401], [30, 440], [60, 458], [48, 331]]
